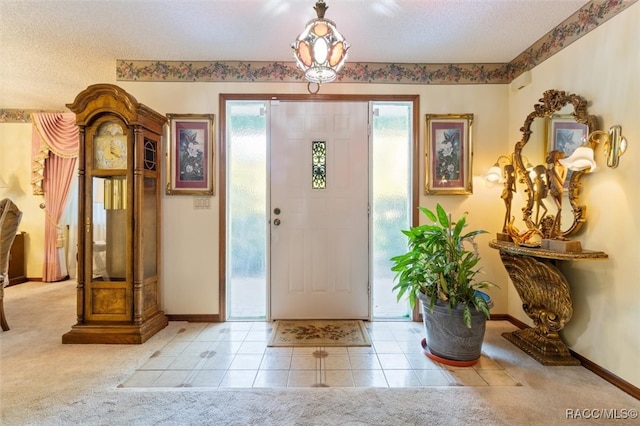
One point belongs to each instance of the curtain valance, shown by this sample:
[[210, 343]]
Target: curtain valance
[[55, 132]]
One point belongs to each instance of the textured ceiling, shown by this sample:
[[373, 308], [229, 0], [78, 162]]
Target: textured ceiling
[[47, 43]]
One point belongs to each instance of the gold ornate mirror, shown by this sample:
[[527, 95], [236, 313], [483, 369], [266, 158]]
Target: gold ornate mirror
[[558, 124]]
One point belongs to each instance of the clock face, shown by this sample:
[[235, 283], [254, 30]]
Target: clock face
[[110, 147]]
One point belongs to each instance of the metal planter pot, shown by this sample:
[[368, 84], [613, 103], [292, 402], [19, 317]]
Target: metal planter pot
[[447, 335]]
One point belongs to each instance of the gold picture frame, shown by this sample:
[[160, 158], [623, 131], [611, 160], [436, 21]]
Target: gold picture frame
[[565, 134], [448, 154], [190, 154]]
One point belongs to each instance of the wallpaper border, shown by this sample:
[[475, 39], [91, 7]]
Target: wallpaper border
[[577, 25], [586, 19]]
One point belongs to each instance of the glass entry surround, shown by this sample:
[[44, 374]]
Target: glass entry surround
[[246, 141], [246, 251]]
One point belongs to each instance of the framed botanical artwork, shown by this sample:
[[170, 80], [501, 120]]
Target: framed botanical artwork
[[448, 154], [565, 134], [190, 154]]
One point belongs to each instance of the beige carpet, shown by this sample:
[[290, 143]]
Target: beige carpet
[[43, 382], [319, 333]]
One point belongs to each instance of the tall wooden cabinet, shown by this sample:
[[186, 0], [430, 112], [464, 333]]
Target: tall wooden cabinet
[[119, 262]]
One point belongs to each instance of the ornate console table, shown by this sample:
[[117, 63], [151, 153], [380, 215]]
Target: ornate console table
[[545, 296]]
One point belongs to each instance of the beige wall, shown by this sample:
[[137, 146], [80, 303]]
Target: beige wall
[[15, 161], [606, 293], [190, 251], [603, 67], [190, 237]]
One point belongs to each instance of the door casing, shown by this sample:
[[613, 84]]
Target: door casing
[[222, 156]]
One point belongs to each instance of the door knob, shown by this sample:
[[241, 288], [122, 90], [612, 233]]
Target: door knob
[[276, 222]]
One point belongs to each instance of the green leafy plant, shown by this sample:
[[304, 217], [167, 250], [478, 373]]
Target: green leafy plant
[[439, 266]]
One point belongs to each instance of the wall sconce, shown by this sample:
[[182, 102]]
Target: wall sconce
[[583, 157], [614, 144], [496, 173]]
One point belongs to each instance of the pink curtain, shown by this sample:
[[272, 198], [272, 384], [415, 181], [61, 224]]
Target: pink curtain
[[55, 152]]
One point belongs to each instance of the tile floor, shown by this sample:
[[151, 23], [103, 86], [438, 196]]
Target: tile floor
[[235, 355]]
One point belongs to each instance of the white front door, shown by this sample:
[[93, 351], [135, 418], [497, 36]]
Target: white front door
[[319, 195]]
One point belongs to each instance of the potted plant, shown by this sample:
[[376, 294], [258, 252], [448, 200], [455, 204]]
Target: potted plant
[[440, 270]]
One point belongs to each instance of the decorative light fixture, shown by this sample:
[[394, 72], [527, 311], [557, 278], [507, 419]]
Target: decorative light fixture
[[495, 174], [498, 172], [320, 50], [583, 157], [614, 144]]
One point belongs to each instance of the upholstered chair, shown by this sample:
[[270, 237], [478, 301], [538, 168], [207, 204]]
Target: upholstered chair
[[10, 217]]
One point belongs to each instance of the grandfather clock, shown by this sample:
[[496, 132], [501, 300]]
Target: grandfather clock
[[119, 263]]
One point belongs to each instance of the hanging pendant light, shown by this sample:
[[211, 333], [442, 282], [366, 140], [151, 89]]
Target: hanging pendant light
[[320, 50]]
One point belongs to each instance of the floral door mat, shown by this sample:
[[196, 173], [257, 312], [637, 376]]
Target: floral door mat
[[320, 333]]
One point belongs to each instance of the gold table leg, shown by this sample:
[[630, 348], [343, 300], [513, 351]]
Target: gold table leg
[[546, 299]]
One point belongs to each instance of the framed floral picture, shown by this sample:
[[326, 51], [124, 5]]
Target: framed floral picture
[[565, 134], [190, 154], [448, 154]]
